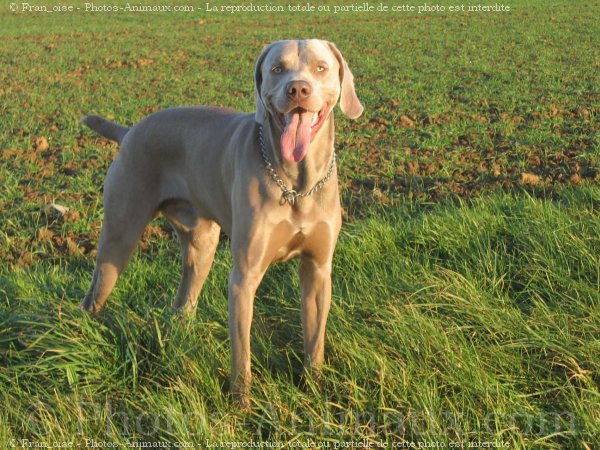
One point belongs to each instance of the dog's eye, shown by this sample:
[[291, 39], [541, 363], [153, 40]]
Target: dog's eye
[[276, 69], [321, 68]]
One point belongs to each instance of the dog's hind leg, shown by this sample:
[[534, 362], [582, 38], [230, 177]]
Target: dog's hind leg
[[199, 239], [128, 207]]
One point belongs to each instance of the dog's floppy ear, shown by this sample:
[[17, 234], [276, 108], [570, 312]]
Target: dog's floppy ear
[[349, 102], [261, 111]]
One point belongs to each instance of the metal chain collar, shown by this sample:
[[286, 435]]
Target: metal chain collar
[[290, 195]]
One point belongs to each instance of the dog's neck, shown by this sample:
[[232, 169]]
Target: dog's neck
[[303, 175]]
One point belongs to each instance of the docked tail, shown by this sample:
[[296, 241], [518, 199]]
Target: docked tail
[[108, 129]]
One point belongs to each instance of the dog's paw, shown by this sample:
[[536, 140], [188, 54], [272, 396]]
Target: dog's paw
[[312, 380], [90, 307]]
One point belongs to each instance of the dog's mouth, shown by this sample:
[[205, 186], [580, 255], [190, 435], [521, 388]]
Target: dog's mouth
[[300, 127]]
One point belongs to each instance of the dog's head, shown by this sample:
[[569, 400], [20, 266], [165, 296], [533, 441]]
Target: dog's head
[[297, 84]]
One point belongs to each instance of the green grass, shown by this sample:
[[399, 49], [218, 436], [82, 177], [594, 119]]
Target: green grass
[[473, 322], [467, 276]]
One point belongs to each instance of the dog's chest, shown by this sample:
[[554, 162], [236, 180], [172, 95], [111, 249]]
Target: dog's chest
[[288, 240]]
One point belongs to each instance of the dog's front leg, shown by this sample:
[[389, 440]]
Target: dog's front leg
[[315, 281], [243, 283]]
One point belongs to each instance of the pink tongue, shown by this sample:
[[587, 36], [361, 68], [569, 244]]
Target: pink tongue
[[295, 139]]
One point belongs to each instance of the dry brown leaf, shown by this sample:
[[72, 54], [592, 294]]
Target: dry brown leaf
[[412, 167], [41, 144], [44, 235], [530, 179], [407, 121]]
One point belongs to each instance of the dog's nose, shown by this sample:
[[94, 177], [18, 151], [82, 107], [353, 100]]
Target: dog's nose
[[298, 90]]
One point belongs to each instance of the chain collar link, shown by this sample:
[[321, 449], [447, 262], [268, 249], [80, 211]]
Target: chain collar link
[[290, 195]]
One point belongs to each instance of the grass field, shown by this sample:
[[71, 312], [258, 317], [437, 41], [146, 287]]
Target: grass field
[[466, 280]]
